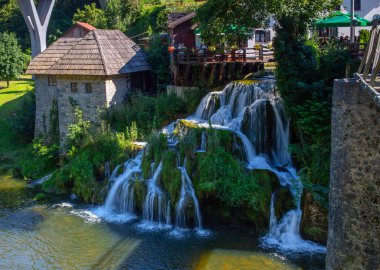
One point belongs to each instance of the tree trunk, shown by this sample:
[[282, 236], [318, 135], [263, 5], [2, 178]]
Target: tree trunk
[[7, 84]]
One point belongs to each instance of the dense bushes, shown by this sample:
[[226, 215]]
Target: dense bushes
[[89, 148], [149, 113], [84, 172], [305, 75]]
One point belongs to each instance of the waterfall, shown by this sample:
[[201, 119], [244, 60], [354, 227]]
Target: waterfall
[[155, 205], [119, 204], [203, 142], [187, 196], [256, 115]]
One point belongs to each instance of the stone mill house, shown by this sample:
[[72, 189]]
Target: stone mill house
[[88, 67]]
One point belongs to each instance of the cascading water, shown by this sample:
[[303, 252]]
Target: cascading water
[[155, 205], [187, 194], [256, 115], [119, 203]]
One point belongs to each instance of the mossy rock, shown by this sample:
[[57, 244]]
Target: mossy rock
[[314, 223], [170, 179], [147, 160], [284, 202], [140, 191]]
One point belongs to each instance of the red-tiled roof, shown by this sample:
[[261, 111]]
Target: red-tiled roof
[[87, 26]]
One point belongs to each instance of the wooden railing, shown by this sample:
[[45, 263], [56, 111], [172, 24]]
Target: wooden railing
[[186, 56], [356, 49], [370, 65], [368, 72]]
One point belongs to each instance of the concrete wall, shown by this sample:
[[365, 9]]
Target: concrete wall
[[354, 216]]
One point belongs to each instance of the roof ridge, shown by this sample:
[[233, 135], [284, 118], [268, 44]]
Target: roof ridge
[[101, 52]]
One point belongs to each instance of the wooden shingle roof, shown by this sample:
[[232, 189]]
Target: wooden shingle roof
[[181, 20], [100, 52]]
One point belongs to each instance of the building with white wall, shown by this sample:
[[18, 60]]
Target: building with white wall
[[368, 9]]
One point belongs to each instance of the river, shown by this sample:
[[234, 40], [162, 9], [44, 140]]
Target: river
[[61, 233]]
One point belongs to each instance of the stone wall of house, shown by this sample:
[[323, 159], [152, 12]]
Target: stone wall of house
[[117, 89], [354, 213], [45, 96], [89, 103], [104, 93]]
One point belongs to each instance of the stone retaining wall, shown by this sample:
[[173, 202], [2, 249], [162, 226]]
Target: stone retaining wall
[[354, 214]]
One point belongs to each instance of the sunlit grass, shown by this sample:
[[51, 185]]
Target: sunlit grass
[[11, 99]]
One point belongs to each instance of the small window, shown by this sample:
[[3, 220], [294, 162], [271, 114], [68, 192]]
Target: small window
[[88, 88], [74, 88], [358, 5], [52, 80]]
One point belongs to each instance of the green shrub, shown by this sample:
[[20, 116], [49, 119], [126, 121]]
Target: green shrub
[[39, 197], [23, 122], [170, 179]]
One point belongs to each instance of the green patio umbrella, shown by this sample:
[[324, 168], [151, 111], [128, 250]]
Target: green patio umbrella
[[340, 19]]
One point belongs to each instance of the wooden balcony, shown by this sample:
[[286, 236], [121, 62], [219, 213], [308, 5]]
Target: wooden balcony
[[244, 55]]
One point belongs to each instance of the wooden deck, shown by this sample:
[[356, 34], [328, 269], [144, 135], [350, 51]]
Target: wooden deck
[[189, 67]]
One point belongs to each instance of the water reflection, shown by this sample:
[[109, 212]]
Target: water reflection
[[63, 241], [243, 260]]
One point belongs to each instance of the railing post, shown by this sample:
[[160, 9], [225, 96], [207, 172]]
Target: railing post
[[261, 53]]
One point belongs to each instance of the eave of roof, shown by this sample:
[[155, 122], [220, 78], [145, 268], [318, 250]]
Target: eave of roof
[[182, 20]]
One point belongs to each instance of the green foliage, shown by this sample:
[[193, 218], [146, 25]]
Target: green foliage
[[364, 35], [39, 197], [170, 179], [222, 176], [39, 160], [92, 15], [12, 59], [229, 22], [147, 112], [131, 132], [23, 121], [158, 58], [83, 172], [78, 132], [193, 97], [120, 13]]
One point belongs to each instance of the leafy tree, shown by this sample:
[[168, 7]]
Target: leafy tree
[[92, 15], [225, 21], [120, 13], [12, 59], [158, 58]]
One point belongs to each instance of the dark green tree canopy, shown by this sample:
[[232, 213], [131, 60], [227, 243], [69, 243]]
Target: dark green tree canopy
[[226, 21]]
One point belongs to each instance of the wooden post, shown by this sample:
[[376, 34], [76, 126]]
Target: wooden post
[[212, 74], [37, 19], [221, 72]]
